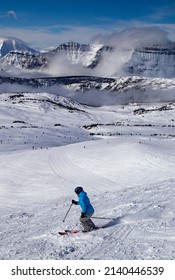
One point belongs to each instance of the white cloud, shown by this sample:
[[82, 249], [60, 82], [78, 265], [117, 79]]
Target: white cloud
[[134, 37], [51, 36], [124, 43], [60, 65], [12, 13]]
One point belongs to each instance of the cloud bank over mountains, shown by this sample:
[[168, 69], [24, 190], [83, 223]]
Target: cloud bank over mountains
[[125, 46], [136, 51], [134, 38]]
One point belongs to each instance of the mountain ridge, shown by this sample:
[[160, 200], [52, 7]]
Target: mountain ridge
[[8, 44], [94, 59]]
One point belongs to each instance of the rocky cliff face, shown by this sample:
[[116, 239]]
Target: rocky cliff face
[[23, 60], [83, 54], [152, 62]]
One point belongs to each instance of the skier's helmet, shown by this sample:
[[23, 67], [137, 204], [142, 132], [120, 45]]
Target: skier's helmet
[[78, 190]]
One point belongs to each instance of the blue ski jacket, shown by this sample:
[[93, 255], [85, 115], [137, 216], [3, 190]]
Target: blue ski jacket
[[85, 204]]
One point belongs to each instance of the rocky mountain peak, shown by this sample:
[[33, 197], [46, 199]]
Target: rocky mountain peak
[[13, 44]]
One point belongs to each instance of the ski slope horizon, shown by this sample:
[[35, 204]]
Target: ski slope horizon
[[122, 155]]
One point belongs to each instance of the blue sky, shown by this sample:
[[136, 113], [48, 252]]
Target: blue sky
[[50, 22]]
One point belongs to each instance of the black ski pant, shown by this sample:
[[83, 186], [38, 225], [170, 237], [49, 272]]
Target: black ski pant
[[87, 223]]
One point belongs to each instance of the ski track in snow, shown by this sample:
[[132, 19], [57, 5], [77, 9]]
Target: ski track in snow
[[130, 180], [111, 242]]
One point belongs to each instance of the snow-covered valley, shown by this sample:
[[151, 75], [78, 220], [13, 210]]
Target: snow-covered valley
[[123, 155]]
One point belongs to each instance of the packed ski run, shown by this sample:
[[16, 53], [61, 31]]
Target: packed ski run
[[123, 155]]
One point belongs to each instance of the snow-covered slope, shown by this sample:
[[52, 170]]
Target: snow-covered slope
[[123, 156], [96, 90]]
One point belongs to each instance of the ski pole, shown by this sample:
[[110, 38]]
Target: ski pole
[[67, 212], [103, 218]]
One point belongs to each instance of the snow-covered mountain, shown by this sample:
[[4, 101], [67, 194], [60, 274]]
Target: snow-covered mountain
[[23, 60], [155, 61], [93, 59], [13, 44], [148, 61], [87, 55]]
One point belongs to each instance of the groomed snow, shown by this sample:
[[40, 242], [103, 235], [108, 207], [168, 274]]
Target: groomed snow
[[126, 167]]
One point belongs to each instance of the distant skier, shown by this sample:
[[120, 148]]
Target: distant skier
[[87, 209]]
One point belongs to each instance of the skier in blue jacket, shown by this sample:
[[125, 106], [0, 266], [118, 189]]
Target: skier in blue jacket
[[86, 208]]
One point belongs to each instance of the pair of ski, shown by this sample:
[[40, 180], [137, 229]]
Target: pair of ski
[[67, 231]]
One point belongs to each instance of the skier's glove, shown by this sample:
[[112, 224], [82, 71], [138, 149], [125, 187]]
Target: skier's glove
[[74, 202], [83, 215]]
